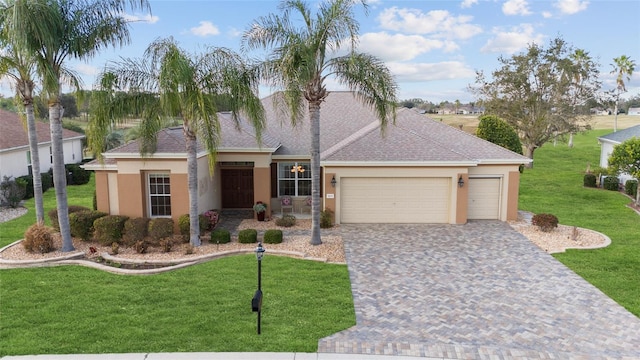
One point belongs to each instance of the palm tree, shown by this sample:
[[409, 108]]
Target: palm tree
[[19, 69], [300, 62], [623, 67], [168, 82], [51, 31]]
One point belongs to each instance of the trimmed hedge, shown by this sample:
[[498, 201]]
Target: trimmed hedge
[[47, 183], [109, 229], [273, 236], [77, 175], [135, 230], [53, 214], [611, 183], [220, 236], [82, 223], [184, 224], [160, 228], [248, 236], [590, 180], [287, 220]]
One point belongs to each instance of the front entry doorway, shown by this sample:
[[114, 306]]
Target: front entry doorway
[[237, 188]]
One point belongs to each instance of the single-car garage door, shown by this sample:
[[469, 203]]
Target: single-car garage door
[[394, 200], [484, 199]]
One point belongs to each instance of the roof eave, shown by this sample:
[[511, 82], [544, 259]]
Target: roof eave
[[401, 163]]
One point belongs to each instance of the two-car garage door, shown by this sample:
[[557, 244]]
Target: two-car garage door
[[395, 200]]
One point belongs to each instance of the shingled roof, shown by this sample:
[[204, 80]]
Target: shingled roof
[[13, 134], [621, 136]]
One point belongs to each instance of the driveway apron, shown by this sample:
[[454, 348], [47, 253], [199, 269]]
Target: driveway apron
[[474, 291]]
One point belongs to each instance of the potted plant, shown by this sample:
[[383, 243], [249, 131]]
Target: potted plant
[[261, 209]]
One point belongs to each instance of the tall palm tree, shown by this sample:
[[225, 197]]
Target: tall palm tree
[[623, 67], [19, 69], [52, 31], [169, 82], [300, 61]]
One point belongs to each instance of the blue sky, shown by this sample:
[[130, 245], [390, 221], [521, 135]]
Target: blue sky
[[432, 47]]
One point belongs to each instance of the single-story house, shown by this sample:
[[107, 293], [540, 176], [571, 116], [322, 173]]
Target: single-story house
[[418, 171], [609, 141], [633, 111], [15, 154]]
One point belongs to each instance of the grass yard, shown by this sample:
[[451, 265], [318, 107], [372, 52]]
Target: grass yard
[[554, 186], [206, 307]]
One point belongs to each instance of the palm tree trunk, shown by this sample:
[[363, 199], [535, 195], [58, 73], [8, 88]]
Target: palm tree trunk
[[192, 181], [35, 162], [314, 113], [60, 174]]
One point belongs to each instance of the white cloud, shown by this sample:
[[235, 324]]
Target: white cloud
[[86, 69], [206, 28], [148, 18], [468, 3], [416, 72], [438, 22], [516, 7], [398, 47], [513, 40], [547, 14], [571, 6]]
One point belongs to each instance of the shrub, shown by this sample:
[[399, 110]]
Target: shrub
[[212, 217], [185, 226], [160, 228], [545, 222], [589, 180], [46, 181], [141, 246], [166, 245], [115, 248], [109, 229], [287, 220], [248, 236], [497, 131], [38, 239], [326, 219], [53, 214], [12, 191], [77, 175], [631, 187], [134, 230], [220, 236], [273, 236], [611, 183], [81, 223], [597, 170]]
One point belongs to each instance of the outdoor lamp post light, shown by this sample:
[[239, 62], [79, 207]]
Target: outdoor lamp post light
[[460, 182], [333, 181], [256, 302]]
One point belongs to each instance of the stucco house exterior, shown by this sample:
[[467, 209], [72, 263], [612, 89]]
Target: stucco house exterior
[[418, 171], [633, 111], [609, 141], [15, 155]]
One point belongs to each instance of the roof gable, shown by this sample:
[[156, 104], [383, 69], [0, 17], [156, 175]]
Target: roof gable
[[622, 135], [13, 134]]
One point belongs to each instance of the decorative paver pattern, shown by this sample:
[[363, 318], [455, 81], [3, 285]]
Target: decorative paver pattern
[[474, 291]]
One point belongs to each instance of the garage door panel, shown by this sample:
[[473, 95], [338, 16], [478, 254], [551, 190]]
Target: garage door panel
[[395, 200], [484, 199]]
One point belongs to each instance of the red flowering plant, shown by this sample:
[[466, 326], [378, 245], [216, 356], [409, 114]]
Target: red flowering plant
[[212, 216]]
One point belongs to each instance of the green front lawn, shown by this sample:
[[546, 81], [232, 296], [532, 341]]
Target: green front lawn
[[206, 307], [554, 186]]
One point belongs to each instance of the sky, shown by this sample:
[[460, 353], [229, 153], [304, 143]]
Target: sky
[[433, 48]]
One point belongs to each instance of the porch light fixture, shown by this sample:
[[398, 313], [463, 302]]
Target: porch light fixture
[[297, 169], [333, 181], [460, 181]]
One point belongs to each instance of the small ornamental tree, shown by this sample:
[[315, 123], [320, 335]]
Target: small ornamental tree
[[497, 131], [625, 158]]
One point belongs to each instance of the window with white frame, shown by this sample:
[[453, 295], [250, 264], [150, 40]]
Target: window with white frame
[[159, 195], [294, 179]]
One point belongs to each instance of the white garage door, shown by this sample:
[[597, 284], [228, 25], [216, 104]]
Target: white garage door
[[484, 198], [394, 200]]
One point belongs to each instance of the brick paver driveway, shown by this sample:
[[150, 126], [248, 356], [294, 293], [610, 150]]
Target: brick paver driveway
[[474, 291]]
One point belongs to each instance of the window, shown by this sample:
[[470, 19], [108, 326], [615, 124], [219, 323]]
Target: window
[[294, 179], [159, 195]]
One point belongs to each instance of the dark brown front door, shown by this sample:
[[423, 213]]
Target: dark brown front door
[[237, 188]]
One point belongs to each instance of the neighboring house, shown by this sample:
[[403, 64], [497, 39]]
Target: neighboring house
[[15, 155], [634, 111], [609, 141], [420, 171]]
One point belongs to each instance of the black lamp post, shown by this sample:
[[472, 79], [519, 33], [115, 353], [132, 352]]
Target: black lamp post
[[256, 302]]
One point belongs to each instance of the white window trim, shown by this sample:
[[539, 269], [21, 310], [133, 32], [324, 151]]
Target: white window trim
[[294, 179], [148, 180]]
